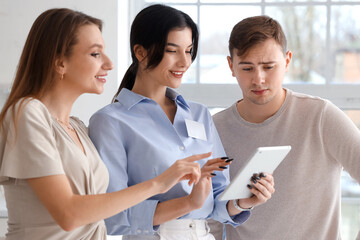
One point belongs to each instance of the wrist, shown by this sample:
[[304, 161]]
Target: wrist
[[155, 186], [241, 206]]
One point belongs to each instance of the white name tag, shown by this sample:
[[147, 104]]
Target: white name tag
[[195, 129]]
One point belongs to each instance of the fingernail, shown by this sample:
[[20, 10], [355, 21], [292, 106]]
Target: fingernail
[[213, 174], [249, 186], [229, 160], [257, 177], [222, 167], [253, 180], [262, 175], [224, 158]]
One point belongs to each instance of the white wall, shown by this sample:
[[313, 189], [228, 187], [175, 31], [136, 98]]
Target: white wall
[[16, 18]]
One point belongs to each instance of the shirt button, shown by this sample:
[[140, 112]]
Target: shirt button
[[181, 148], [146, 231], [139, 231]]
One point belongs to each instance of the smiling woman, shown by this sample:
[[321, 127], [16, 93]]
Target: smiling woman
[[48, 165], [85, 70]]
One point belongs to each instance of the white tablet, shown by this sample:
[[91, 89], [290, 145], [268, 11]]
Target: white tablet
[[265, 159]]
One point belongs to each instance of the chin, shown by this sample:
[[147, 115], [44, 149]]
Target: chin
[[96, 91], [175, 85]]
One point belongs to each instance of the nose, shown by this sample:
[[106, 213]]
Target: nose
[[107, 65], [259, 77], [184, 60]]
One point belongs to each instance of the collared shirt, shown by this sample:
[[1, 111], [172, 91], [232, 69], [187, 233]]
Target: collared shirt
[[137, 142]]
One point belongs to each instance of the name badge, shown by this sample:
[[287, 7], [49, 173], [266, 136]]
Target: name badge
[[195, 129]]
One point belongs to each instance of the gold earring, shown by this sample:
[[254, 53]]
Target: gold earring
[[62, 76]]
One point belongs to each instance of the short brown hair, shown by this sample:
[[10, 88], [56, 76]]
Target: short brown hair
[[254, 30]]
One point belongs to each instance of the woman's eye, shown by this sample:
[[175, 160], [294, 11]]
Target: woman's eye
[[170, 51], [95, 54], [246, 69]]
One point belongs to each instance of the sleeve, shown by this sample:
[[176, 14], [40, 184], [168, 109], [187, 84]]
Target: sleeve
[[31, 150], [109, 140], [220, 182], [342, 139]]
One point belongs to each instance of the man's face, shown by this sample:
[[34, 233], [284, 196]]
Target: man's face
[[260, 72]]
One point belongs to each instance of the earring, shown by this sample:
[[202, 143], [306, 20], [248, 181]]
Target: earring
[[61, 77]]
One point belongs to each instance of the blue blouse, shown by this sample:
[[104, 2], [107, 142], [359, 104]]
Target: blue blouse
[[137, 142]]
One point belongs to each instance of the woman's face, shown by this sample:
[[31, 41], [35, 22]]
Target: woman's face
[[87, 67], [176, 60]]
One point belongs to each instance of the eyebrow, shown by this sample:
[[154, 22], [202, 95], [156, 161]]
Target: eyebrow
[[175, 45], [250, 63], [96, 45]]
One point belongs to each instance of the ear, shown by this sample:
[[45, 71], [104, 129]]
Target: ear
[[287, 60], [140, 52], [60, 66], [231, 65]]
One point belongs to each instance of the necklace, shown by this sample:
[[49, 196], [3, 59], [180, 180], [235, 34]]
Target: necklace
[[68, 126]]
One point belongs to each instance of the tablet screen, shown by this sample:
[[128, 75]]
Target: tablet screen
[[264, 159]]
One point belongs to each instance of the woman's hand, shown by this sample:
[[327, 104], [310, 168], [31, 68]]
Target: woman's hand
[[262, 187], [202, 189], [183, 169]]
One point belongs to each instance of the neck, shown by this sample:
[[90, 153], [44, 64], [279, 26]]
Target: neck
[[147, 88], [258, 113], [59, 103]]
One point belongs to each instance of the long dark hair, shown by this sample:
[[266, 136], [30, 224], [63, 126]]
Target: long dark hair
[[52, 35], [150, 29]]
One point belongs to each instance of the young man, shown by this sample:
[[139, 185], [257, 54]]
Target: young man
[[306, 204]]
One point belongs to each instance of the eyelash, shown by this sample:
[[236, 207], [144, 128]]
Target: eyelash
[[95, 54], [266, 68], [173, 51]]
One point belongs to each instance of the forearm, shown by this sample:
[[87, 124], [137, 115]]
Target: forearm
[[172, 209], [106, 205], [71, 210]]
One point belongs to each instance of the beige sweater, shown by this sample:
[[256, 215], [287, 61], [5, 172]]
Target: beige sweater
[[306, 204]]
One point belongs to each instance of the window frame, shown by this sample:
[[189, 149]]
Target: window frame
[[344, 95]]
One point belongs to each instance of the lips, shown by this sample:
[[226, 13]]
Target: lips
[[177, 74], [101, 78], [259, 91]]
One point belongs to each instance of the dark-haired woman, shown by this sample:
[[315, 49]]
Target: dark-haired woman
[[149, 125], [53, 177]]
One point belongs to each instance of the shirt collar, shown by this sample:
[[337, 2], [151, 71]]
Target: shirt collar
[[129, 98]]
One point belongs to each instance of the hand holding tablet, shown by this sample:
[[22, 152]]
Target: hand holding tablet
[[264, 159]]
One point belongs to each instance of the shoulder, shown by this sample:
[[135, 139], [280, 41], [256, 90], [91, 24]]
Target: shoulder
[[224, 114], [110, 110], [33, 110], [109, 118], [312, 105], [195, 106], [308, 99]]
